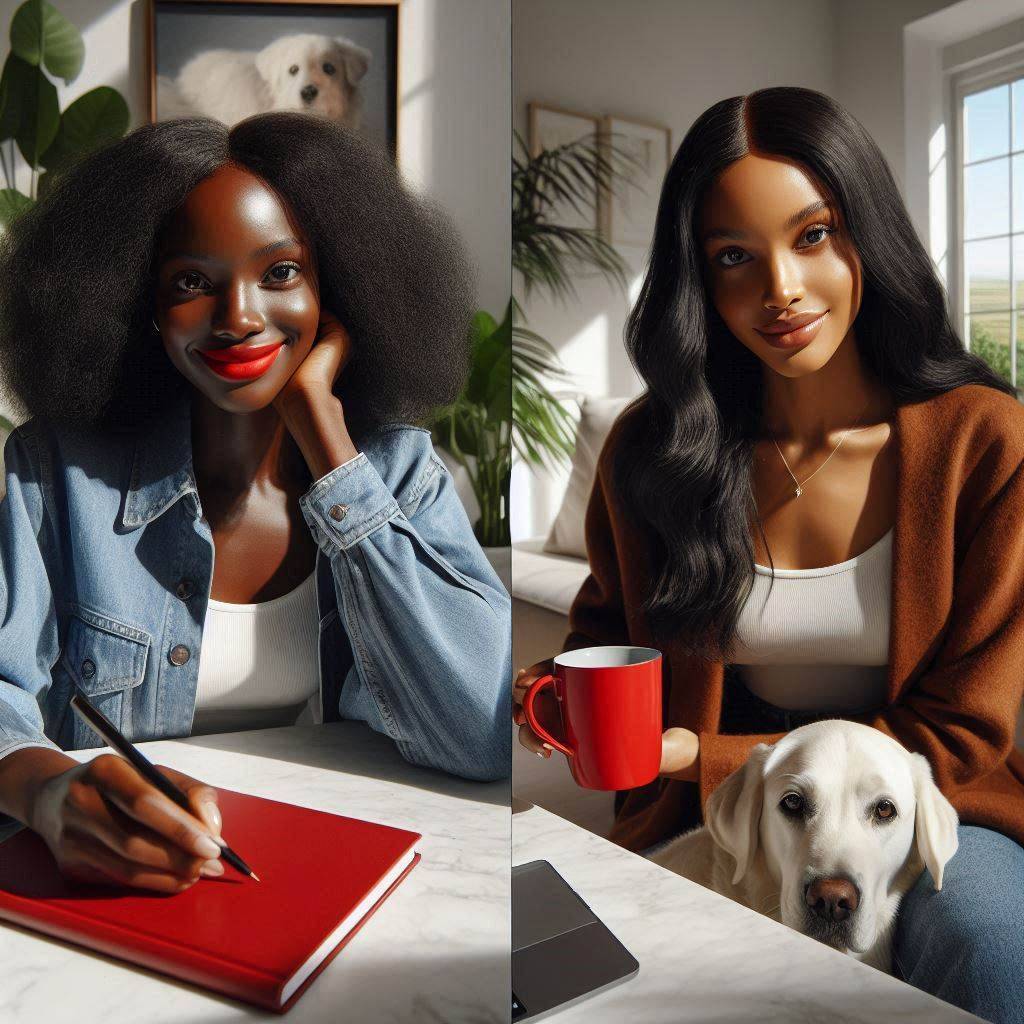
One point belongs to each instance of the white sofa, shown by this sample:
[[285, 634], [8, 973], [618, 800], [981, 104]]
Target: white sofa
[[547, 573]]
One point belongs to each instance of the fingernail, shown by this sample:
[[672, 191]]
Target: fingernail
[[211, 869], [548, 747], [212, 815], [540, 753], [206, 847]]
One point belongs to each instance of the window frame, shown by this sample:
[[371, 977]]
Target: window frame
[[979, 78]]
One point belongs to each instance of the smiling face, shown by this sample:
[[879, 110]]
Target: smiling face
[[781, 274], [237, 302]]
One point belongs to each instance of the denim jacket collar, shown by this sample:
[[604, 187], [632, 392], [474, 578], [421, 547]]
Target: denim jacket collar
[[162, 468]]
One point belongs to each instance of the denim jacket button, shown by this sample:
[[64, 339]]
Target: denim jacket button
[[179, 654], [184, 589], [338, 512], [88, 669]]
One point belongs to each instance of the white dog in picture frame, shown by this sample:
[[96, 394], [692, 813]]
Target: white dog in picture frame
[[825, 831], [318, 74]]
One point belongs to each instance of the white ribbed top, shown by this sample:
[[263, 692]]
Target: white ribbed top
[[258, 665], [820, 642]]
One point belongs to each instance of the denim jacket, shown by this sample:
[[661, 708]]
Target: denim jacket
[[106, 565]]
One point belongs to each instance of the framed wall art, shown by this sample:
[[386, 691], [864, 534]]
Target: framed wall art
[[229, 59]]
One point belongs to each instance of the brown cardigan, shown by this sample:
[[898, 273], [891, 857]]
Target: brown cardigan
[[956, 648]]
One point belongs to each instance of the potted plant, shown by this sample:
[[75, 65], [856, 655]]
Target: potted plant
[[507, 405], [43, 40]]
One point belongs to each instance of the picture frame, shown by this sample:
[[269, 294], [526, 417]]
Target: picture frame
[[360, 89], [550, 127], [628, 210]]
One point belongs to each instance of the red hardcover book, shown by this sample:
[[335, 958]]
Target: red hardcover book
[[321, 877]]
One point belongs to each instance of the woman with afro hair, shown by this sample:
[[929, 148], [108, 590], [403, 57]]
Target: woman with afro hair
[[222, 338]]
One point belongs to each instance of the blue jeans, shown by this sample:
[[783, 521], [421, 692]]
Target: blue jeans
[[964, 944]]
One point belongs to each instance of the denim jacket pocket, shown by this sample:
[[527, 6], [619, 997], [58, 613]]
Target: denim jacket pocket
[[105, 659]]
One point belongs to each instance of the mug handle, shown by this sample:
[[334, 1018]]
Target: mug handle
[[528, 699]]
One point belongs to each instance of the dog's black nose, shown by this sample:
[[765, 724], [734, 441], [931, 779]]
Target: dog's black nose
[[309, 92], [832, 899]]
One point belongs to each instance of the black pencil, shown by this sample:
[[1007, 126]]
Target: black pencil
[[103, 727]]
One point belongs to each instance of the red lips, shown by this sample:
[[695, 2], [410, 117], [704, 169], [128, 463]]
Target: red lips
[[790, 323], [240, 353], [241, 362]]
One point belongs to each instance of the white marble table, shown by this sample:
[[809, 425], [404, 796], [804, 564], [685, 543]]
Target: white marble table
[[436, 951], [703, 957]]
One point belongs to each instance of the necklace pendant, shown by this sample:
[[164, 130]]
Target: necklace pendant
[[799, 491]]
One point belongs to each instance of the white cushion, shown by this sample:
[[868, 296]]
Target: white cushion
[[596, 418], [549, 581]]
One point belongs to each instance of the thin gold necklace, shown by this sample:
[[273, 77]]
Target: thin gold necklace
[[799, 484]]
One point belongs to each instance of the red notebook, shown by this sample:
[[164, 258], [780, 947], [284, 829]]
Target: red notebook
[[322, 876]]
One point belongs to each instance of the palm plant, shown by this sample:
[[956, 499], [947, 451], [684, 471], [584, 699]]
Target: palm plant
[[506, 405], [548, 254]]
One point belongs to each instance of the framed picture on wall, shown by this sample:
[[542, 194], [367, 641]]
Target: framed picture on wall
[[551, 127], [628, 211], [230, 59]]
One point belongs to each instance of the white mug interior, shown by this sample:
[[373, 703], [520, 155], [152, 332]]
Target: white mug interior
[[606, 657]]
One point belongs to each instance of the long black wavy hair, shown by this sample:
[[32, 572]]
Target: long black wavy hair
[[686, 459], [77, 281]]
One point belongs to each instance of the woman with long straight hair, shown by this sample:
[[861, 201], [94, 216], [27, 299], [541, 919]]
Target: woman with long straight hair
[[816, 509]]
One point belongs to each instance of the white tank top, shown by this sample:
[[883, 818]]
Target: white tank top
[[258, 663], [820, 642]]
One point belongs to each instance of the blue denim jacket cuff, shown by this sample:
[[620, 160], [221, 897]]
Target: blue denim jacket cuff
[[347, 504]]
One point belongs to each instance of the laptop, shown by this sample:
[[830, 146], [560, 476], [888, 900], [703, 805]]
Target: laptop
[[561, 952]]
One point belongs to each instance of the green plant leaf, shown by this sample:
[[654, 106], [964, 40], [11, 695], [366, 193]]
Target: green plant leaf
[[99, 116], [12, 202], [15, 86], [41, 35], [40, 119]]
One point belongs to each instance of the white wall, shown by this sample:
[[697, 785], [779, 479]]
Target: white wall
[[454, 119]]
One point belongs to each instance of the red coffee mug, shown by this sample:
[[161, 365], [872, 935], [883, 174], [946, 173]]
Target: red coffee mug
[[609, 699]]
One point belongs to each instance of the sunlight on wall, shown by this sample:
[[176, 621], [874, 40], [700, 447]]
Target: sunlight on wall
[[938, 200]]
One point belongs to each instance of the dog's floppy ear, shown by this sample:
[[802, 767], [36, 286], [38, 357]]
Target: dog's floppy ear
[[355, 59], [935, 821], [733, 811]]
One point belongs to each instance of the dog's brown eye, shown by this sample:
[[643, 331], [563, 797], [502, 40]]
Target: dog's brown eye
[[885, 810], [294, 69], [329, 69], [792, 803]]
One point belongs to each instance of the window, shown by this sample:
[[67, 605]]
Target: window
[[991, 219]]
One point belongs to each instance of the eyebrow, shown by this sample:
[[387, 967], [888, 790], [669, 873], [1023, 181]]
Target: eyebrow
[[816, 207], [266, 250]]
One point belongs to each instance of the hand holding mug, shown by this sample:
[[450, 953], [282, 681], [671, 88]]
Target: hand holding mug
[[546, 706], [609, 708]]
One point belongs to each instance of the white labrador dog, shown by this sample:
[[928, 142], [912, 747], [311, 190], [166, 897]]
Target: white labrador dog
[[825, 831], [314, 73]]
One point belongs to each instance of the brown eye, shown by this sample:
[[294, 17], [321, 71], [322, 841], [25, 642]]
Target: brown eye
[[329, 69], [792, 803], [885, 810], [282, 273], [294, 69], [191, 281]]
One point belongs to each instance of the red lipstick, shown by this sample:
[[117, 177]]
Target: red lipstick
[[792, 331], [241, 362]]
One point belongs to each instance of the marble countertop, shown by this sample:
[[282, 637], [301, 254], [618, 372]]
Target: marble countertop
[[436, 951], [703, 957]]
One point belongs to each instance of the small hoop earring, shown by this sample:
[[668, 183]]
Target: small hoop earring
[[156, 326]]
